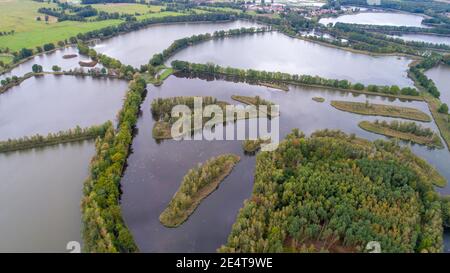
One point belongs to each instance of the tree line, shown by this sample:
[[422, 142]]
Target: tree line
[[104, 229], [334, 192], [255, 75], [177, 45], [114, 66], [418, 72], [76, 134]]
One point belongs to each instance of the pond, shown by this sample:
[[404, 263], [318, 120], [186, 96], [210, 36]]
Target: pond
[[377, 18], [434, 39], [47, 60], [137, 47], [52, 103], [277, 52], [441, 77], [40, 193], [155, 170]]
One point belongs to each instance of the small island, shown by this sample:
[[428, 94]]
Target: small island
[[252, 146], [162, 112], [256, 101], [70, 56], [409, 131], [318, 99], [372, 109], [197, 184]]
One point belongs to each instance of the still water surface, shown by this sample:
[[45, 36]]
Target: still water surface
[[277, 52], [137, 47], [51, 103], [40, 194], [377, 18], [155, 170]]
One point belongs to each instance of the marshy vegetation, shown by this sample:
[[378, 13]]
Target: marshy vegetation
[[373, 109], [409, 131]]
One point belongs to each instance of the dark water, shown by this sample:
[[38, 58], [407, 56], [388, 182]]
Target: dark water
[[40, 193], [137, 47], [47, 60], [155, 171], [52, 103], [441, 77], [278, 52], [377, 18], [435, 39]]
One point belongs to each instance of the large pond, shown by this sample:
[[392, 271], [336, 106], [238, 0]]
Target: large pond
[[277, 52], [40, 193], [51, 103], [377, 18], [47, 60], [155, 170], [434, 39], [137, 47], [441, 77]]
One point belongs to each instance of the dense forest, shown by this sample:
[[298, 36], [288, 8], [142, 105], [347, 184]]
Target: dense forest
[[254, 75], [197, 184], [334, 192], [104, 230]]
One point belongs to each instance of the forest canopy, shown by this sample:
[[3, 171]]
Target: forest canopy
[[335, 193]]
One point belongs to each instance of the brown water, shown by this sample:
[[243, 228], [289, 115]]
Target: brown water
[[52, 103], [155, 170], [278, 52]]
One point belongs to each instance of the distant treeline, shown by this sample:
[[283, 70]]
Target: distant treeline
[[104, 229], [383, 43], [123, 28], [76, 134], [255, 75], [180, 44], [106, 1], [78, 13]]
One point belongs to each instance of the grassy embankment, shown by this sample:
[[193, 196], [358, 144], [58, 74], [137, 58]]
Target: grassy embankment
[[432, 140], [197, 184], [441, 119], [381, 110]]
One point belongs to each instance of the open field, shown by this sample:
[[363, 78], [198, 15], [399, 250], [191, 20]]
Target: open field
[[20, 16], [126, 8]]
